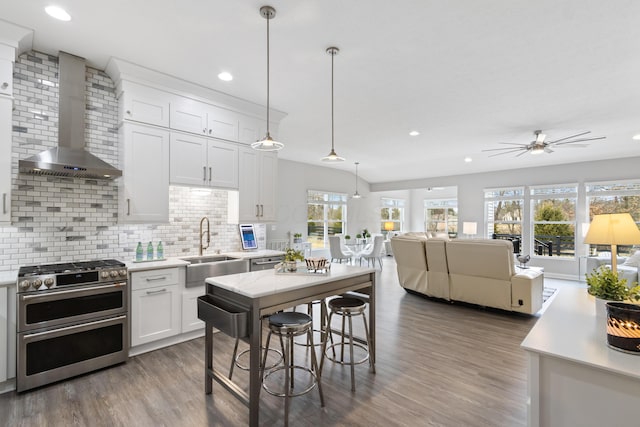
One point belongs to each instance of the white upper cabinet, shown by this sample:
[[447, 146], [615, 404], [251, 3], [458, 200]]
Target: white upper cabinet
[[144, 192], [204, 119], [203, 161], [249, 129], [6, 77], [6, 105], [257, 185], [144, 104]]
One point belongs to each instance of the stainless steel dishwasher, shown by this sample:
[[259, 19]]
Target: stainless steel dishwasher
[[265, 263]]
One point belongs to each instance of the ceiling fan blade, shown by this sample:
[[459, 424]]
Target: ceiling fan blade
[[579, 140], [513, 143], [507, 152], [569, 137], [573, 146], [524, 152], [548, 150], [522, 147]]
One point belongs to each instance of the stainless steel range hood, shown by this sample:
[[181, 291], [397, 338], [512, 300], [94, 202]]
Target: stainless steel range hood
[[70, 158]]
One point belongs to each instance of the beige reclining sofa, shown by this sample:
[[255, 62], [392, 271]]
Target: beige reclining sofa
[[477, 271]]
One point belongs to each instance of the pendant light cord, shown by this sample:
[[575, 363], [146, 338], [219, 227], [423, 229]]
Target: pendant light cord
[[268, 19], [332, 56]]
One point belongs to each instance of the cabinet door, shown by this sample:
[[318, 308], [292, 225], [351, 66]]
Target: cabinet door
[[155, 314], [267, 183], [145, 175], [188, 160], [6, 77], [248, 208], [4, 325], [146, 105], [190, 321], [222, 164], [222, 124], [249, 129], [5, 160], [189, 115]]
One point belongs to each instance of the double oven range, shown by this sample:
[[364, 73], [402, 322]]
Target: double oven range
[[72, 318]]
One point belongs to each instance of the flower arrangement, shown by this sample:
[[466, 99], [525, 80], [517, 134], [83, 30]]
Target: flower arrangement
[[293, 255]]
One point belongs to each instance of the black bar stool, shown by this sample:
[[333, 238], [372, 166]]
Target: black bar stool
[[288, 325], [347, 307]]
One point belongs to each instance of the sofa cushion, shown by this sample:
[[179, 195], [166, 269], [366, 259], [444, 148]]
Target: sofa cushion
[[488, 258], [633, 260]]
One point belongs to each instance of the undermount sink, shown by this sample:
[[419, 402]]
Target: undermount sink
[[207, 258], [201, 267]]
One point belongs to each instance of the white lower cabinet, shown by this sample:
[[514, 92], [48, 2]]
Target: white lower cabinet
[[155, 305], [4, 325], [190, 321]]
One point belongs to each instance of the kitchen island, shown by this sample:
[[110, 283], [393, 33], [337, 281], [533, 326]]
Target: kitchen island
[[261, 293], [574, 378]]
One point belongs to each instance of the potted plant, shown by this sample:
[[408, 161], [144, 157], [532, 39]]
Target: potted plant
[[347, 237], [297, 238], [291, 257], [358, 237], [605, 285]]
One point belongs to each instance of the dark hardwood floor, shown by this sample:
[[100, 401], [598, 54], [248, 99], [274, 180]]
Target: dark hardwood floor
[[438, 364]]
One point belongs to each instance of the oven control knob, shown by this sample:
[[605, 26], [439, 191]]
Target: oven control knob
[[24, 285], [114, 273], [104, 274], [122, 273], [36, 283], [48, 282]]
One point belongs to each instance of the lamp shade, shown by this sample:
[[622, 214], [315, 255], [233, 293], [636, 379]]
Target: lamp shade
[[469, 227], [613, 229], [388, 226]]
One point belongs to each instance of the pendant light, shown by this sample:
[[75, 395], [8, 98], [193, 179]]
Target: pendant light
[[332, 157], [356, 195], [267, 143]]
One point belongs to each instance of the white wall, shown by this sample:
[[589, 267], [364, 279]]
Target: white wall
[[471, 196]]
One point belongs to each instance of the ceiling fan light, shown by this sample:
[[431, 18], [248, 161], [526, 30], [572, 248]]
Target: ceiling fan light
[[537, 149], [267, 144], [333, 157]]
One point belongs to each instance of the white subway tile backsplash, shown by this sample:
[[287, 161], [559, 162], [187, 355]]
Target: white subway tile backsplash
[[64, 219]]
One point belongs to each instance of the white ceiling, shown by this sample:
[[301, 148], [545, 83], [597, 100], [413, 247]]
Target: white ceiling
[[467, 74]]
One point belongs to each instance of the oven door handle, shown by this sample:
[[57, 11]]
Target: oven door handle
[[71, 328], [73, 291]]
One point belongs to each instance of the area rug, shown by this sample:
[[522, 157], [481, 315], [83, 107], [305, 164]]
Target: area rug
[[547, 293]]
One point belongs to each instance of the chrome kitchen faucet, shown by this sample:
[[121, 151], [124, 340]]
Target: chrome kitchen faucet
[[201, 233]]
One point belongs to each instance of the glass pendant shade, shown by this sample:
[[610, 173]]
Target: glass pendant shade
[[332, 157], [267, 143]]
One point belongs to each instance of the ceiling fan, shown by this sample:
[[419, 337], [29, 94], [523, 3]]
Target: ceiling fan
[[541, 145]]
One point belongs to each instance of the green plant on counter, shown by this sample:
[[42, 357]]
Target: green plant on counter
[[603, 283], [293, 255], [347, 237], [358, 236]]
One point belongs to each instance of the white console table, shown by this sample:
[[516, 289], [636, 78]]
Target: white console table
[[574, 378]]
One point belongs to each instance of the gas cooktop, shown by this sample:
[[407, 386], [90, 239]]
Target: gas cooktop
[[68, 267]]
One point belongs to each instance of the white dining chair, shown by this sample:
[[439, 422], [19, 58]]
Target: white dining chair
[[339, 252], [372, 252]]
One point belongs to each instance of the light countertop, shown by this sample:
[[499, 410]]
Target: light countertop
[[266, 282], [569, 330], [154, 265], [8, 278], [265, 253]]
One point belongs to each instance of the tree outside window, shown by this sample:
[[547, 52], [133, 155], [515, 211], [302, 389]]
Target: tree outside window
[[504, 209], [441, 216], [326, 215], [554, 220]]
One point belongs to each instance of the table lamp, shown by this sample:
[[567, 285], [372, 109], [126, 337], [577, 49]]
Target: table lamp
[[470, 228], [613, 230], [388, 227]]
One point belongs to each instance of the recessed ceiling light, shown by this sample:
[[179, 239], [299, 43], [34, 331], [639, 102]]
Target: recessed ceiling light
[[468, 159], [414, 133], [636, 137], [225, 76], [58, 13]]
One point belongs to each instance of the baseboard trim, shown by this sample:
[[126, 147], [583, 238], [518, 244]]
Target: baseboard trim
[[165, 342]]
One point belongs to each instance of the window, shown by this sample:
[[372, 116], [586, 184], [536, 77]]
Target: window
[[391, 215], [614, 197], [504, 208], [553, 210], [326, 216], [441, 216]]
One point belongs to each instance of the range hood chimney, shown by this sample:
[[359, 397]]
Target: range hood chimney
[[70, 158]]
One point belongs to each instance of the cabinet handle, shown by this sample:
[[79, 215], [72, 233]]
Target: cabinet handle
[[209, 173], [4, 203], [261, 210], [153, 279], [257, 210], [210, 130], [156, 292], [204, 173], [129, 112], [5, 85], [204, 130], [128, 207]]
